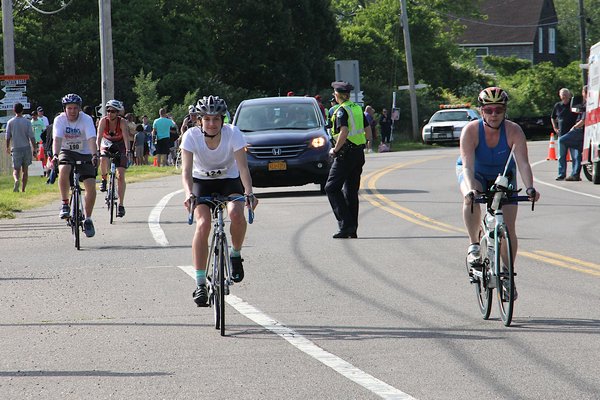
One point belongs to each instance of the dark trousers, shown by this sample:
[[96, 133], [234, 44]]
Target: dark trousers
[[342, 188]]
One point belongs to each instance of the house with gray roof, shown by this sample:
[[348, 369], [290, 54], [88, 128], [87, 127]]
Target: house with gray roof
[[524, 29]]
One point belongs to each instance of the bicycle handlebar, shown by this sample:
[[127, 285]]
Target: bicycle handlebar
[[218, 200], [485, 197]]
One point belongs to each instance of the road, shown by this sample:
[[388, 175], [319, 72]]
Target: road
[[389, 315]]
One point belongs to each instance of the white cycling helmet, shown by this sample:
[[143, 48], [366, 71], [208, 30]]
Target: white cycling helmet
[[116, 104], [192, 109]]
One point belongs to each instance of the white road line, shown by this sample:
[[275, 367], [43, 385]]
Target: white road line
[[154, 220], [339, 365], [334, 362], [561, 187]]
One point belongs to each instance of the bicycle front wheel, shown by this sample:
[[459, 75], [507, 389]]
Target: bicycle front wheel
[[75, 217], [483, 291], [222, 265], [111, 194], [506, 279]]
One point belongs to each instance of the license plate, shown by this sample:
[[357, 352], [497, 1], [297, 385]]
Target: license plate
[[441, 135], [277, 166]]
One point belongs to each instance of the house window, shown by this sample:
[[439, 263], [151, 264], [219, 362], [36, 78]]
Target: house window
[[481, 52], [551, 40], [540, 40]]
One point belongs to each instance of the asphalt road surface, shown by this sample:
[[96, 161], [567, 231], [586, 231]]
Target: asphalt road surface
[[388, 315]]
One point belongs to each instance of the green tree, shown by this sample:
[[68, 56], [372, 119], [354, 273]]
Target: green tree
[[148, 101]]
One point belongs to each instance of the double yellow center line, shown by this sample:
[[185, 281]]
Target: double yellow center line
[[373, 196]]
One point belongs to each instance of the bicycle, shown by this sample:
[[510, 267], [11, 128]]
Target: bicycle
[[494, 235], [111, 193], [75, 218], [218, 269]]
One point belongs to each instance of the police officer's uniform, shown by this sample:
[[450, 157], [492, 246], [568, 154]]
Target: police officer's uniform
[[344, 177]]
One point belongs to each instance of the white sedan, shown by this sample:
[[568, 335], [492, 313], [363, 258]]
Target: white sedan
[[445, 125]]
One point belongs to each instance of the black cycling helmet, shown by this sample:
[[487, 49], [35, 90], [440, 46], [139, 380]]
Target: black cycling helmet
[[211, 105], [492, 95], [71, 98]]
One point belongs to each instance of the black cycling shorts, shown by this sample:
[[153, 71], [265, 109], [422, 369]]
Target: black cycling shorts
[[86, 171], [223, 187]]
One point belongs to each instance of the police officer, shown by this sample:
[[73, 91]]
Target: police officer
[[350, 131]]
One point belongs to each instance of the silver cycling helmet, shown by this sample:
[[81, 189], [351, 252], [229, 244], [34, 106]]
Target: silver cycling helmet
[[211, 105], [71, 98], [116, 104], [192, 109]]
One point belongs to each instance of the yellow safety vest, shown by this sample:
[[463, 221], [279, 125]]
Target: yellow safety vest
[[356, 127]]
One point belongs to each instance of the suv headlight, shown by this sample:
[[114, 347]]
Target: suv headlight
[[317, 142], [427, 129]]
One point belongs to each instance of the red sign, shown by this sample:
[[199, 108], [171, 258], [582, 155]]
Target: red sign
[[14, 77]]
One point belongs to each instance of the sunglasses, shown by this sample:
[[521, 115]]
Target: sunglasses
[[494, 110], [111, 111]]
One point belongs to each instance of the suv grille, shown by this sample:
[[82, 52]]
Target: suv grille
[[274, 152]]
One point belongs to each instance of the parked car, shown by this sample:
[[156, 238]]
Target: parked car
[[445, 125], [288, 144]]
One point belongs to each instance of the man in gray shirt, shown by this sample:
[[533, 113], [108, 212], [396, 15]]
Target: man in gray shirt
[[23, 149]]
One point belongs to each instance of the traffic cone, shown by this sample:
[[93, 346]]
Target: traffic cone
[[568, 155], [155, 164], [41, 154], [551, 148]]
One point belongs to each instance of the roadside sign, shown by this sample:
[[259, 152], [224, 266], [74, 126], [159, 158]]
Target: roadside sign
[[5, 119], [15, 88], [14, 100], [9, 106], [22, 77]]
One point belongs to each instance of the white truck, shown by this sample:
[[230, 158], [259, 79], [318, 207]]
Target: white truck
[[590, 158]]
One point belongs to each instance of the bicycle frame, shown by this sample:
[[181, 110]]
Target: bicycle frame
[[111, 192], [76, 202]]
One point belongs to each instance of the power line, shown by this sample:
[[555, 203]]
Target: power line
[[65, 5]]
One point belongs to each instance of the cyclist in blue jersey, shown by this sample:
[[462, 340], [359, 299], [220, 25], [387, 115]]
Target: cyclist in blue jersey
[[485, 147]]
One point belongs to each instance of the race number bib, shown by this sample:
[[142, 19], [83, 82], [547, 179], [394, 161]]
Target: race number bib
[[216, 173], [106, 143], [73, 146]]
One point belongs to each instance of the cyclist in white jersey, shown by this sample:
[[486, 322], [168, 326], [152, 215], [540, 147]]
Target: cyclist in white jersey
[[75, 140], [214, 162]]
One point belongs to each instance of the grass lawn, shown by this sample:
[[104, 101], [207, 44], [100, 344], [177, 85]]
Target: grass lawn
[[38, 193]]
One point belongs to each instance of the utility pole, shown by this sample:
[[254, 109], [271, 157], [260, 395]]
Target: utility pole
[[583, 49], [106, 53], [409, 71], [8, 35]]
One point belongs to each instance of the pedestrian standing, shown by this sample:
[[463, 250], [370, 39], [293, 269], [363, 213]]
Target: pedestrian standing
[[24, 148], [385, 123], [351, 132]]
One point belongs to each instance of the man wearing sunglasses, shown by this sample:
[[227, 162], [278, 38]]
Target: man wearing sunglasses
[[485, 147]]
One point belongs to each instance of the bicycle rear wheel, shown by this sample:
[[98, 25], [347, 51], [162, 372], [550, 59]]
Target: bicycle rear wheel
[[483, 291], [75, 217], [506, 280]]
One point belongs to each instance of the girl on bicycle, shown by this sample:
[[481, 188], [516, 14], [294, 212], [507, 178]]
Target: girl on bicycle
[[214, 162]]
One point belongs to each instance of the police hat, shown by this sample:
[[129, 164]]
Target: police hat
[[342, 87]]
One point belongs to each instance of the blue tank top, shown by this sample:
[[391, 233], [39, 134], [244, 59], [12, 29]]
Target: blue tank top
[[491, 161]]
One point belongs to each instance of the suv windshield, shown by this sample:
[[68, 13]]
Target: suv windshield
[[263, 117], [450, 116]]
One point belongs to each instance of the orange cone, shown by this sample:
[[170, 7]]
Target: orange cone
[[551, 148], [41, 155], [155, 164], [568, 156]]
